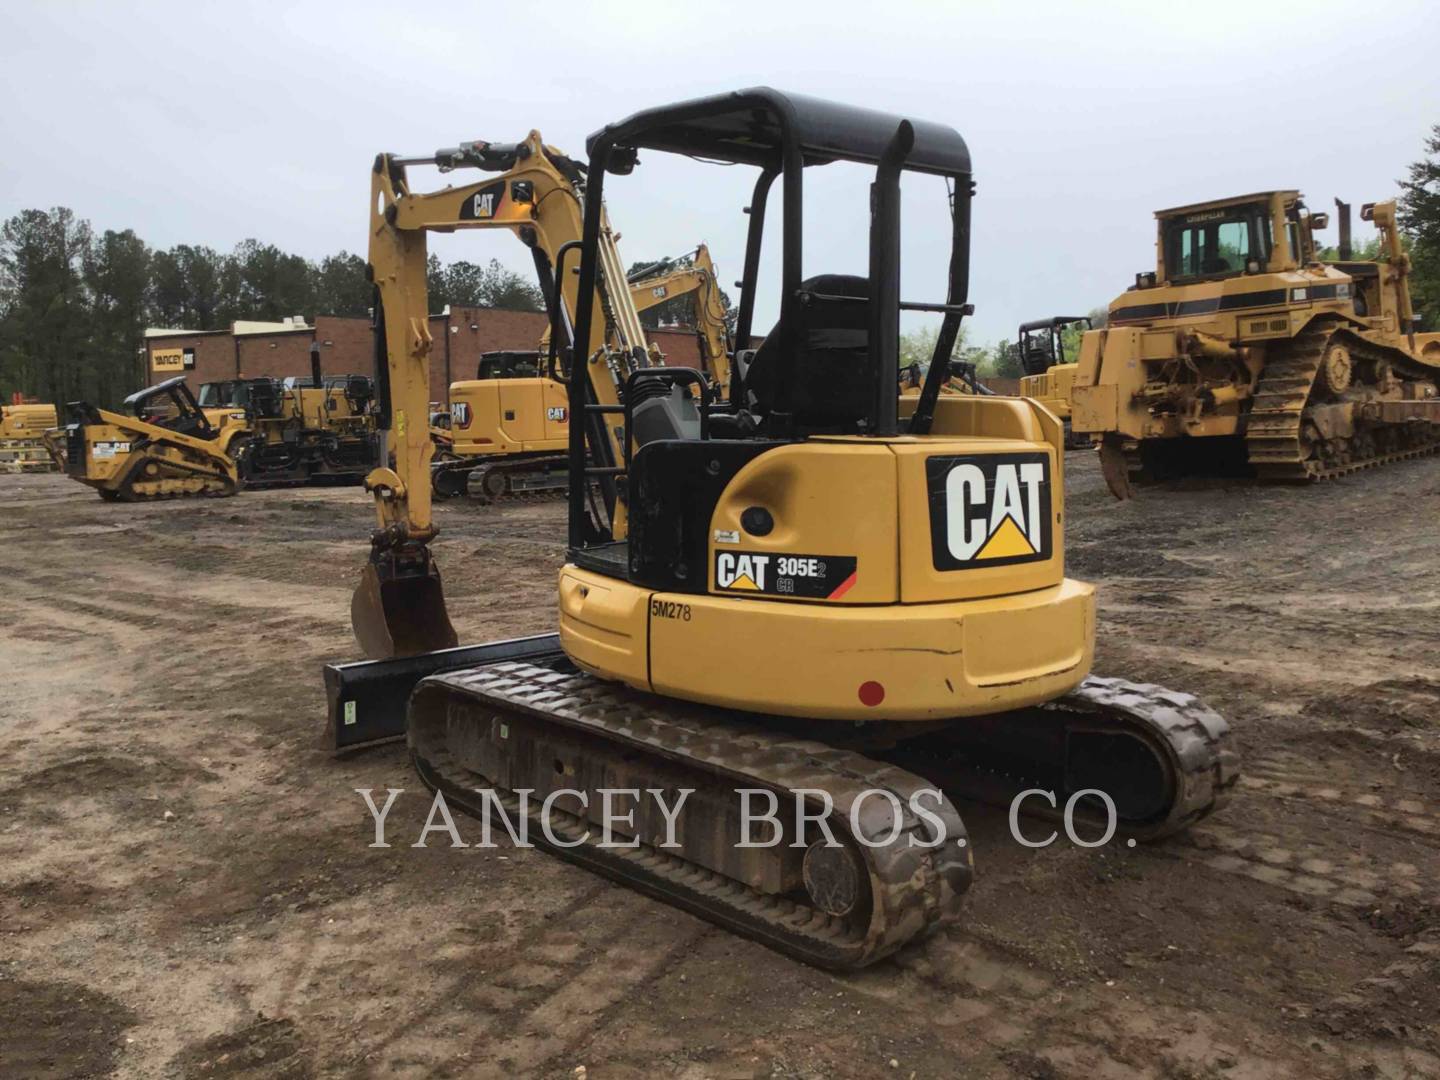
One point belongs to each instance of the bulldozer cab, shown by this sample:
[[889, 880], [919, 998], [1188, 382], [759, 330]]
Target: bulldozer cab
[[1248, 234], [171, 405], [830, 365]]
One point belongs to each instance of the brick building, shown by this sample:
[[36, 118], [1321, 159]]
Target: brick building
[[459, 335]]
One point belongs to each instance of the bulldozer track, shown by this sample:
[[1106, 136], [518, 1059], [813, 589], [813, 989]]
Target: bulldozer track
[[915, 885], [1274, 426]]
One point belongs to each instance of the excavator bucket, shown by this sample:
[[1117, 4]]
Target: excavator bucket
[[399, 609]]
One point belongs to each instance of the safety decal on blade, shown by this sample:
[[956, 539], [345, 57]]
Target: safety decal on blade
[[989, 510], [815, 577]]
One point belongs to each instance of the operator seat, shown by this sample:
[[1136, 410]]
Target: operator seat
[[831, 380]]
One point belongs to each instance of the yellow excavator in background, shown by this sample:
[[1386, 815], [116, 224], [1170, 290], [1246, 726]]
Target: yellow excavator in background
[[509, 427], [1242, 353], [1049, 375], [691, 273], [23, 424], [809, 591]]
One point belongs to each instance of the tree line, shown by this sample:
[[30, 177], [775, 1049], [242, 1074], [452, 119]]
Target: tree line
[[74, 302]]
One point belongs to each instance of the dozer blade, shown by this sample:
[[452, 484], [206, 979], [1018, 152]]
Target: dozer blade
[[399, 609], [1114, 467]]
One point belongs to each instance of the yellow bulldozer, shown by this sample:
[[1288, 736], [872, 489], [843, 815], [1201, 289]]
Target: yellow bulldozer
[[807, 592], [1243, 352], [23, 424]]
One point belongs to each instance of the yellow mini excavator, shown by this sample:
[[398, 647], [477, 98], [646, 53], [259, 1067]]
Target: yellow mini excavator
[[1242, 353], [806, 594], [164, 448]]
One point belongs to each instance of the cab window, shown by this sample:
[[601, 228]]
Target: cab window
[[1213, 243]]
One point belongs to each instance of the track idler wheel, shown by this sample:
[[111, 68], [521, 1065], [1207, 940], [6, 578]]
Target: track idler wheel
[[399, 606], [1337, 370]]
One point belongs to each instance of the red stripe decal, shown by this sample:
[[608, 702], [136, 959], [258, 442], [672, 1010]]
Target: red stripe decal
[[843, 587]]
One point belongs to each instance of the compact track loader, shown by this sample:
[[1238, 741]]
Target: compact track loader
[[1049, 376], [809, 590], [168, 447], [1244, 354]]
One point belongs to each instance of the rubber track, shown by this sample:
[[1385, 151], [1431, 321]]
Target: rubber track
[[915, 887], [1196, 739], [1273, 424], [129, 494]]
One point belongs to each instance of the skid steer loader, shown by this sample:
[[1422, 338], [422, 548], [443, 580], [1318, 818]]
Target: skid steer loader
[[809, 590], [165, 448], [1242, 353]]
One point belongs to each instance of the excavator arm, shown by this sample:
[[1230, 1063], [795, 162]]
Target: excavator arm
[[399, 607], [710, 326]]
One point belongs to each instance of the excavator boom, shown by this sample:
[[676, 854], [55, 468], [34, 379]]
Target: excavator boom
[[399, 607]]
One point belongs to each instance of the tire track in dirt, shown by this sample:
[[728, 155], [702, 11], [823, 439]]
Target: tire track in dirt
[[1299, 866], [525, 1005]]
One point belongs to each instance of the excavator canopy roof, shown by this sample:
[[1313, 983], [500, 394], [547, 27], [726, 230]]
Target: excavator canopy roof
[[748, 126]]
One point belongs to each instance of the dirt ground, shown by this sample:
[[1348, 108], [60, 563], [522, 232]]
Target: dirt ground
[[186, 888]]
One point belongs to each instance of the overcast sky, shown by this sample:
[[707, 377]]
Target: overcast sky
[[207, 124]]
